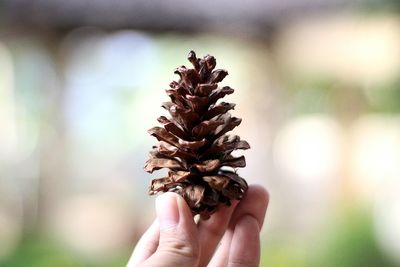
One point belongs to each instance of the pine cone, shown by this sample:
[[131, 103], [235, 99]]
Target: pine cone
[[193, 143]]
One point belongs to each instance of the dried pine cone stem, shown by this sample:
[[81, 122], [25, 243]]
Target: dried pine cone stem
[[193, 141]]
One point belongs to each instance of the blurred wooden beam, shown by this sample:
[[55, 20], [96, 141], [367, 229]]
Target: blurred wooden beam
[[161, 15]]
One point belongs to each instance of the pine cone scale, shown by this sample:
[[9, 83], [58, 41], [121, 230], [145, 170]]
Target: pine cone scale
[[222, 108], [205, 89], [205, 127], [154, 164]]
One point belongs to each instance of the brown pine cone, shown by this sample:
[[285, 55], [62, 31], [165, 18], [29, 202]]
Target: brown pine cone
[[193, 143]]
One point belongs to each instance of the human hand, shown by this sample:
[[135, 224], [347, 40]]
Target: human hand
[[231, 237]]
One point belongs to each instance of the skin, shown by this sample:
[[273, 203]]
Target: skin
[[231, 237]]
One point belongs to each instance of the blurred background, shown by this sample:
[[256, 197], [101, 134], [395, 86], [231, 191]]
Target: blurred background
[[317, 86]]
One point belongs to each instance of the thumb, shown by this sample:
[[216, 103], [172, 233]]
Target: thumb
[[178, 244]]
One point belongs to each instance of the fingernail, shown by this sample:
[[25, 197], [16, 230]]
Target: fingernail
[[167, 210]]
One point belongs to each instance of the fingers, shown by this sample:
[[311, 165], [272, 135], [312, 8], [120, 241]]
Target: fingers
[[211, 232], [175, 240], [245, 246], [178, 242], [253, 204], [146, 246]]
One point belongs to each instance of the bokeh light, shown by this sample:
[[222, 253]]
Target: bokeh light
[[387, 221], [98, 229], [308, 149], [375, 152]]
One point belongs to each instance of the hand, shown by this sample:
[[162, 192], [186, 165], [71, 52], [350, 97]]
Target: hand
[[231, 237]]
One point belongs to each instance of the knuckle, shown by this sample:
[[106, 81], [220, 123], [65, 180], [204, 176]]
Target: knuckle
[[180, 247]]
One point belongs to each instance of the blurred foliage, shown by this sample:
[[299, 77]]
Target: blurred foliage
[[375, 5], [38, 251], [353, 244], [283, 255], [385, 98], [350, 243], [310, 95]]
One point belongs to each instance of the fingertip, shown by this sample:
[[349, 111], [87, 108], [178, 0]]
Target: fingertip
[[167, 210], [260, 193], [167, 195], [172, 209], [254, 203], [178, 245]]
